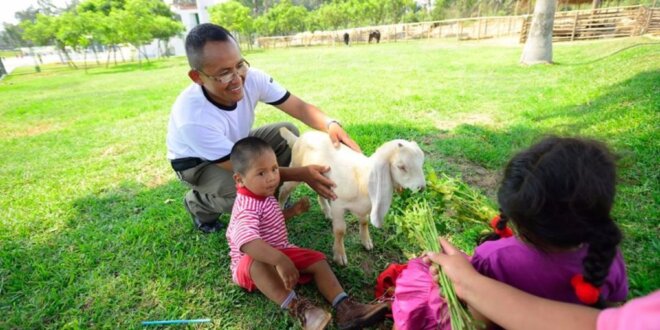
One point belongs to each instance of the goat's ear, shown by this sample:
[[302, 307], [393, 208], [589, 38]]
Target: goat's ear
[[380, 192]]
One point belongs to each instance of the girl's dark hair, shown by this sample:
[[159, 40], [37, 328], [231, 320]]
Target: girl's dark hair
[[559, 193], [245, 150]]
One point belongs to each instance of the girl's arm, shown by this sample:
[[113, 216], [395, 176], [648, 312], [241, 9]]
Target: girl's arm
[[505, 305]]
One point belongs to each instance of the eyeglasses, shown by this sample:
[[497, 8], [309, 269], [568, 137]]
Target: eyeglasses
[[226, 77]]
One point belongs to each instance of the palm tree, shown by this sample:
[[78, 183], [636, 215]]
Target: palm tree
[[538, 47]]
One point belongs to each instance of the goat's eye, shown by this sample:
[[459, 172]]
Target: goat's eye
[[402, 167]]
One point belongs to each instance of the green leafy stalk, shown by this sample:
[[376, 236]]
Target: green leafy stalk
[[422, 225]]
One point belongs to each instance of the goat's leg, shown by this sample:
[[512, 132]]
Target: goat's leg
[[325, 206], [285, 191], [339, 230], [364, 232]]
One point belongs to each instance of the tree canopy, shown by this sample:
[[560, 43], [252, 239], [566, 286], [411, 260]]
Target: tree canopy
[[103, 22]]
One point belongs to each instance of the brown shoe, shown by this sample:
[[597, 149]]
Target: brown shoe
[[353, 315], [310, 316]]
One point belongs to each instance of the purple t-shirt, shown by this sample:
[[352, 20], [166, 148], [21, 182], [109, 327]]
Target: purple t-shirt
[[544, 274]]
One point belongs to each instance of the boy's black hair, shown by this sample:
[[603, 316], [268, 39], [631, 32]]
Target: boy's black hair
[[198, 37], [245, 150], [559, 194]]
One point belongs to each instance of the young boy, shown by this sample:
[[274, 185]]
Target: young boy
[[263, 258]]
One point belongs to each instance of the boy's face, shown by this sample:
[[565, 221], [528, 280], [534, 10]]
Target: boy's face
[[263, 175]]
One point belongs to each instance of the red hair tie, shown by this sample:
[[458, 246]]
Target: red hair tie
[[504, 232], [585, 291]]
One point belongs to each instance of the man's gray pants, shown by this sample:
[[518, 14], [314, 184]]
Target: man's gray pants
[[213, 190]]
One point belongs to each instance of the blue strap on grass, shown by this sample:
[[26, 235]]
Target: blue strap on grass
[[166, 322]]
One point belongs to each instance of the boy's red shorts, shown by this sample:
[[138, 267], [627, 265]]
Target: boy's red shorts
[[301, 258]]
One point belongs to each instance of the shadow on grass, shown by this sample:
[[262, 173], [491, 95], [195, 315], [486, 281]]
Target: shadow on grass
[[125, 255], [129, 254], [626, 117]]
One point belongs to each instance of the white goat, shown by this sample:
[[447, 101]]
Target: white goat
[[364, 184]]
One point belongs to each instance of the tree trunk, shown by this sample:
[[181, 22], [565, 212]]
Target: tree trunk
[[96, 55], [596, 4], [68, 58], [107, 61], [538, 47], [3, 71]]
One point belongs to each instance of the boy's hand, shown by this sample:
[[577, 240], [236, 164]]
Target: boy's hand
[[314, 177], [300, 207], [288, 272]]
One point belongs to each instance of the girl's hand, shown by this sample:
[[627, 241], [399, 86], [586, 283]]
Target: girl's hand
[[454, 264]]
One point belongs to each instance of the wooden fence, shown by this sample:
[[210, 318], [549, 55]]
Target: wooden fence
[[461, 29], [601, 23], [569, 26]]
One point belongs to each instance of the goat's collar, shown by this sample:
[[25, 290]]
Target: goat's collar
[[247, 192]]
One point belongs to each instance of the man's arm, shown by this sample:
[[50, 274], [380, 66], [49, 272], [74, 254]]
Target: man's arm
[[315, 118]]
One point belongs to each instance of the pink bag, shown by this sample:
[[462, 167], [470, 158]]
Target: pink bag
[[417, 303]]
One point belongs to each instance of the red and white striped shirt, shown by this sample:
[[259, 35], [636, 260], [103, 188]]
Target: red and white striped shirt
[[255, 217]]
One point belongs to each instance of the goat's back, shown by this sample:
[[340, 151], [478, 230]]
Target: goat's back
[[348, 168]]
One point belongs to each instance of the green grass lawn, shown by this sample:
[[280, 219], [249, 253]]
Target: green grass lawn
[[9, 53], [93, 233]]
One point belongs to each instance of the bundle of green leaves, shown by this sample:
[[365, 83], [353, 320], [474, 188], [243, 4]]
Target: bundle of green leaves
[[448, 205], [420, 226]]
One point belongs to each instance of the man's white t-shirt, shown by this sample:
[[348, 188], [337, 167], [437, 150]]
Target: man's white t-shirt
[[199, 128]]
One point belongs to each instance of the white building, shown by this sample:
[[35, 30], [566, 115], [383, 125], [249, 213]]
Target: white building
[[192, 13]]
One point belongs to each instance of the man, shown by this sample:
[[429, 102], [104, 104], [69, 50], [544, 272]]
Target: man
[[218, 110]]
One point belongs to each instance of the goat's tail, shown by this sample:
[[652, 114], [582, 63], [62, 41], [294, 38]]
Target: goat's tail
[[288, 136]]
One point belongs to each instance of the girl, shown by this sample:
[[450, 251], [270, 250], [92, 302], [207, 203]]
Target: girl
[[558, 195]]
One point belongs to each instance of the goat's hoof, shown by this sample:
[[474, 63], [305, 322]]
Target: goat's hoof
[[341, 260], [369, 245]]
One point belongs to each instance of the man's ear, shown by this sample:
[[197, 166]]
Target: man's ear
[[195, 77]]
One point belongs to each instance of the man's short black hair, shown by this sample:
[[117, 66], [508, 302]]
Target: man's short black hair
[[198, 37], [245, 150]]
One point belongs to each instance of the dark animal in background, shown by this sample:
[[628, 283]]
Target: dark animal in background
[[374, 35], [346, 38]]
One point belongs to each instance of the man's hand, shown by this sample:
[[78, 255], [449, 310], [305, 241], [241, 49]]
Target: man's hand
[[316, 180], [288, 272], [454, 264], [338, 135]]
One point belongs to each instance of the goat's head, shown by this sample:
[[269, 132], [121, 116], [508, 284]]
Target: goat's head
[[406, 166], [397, 164]]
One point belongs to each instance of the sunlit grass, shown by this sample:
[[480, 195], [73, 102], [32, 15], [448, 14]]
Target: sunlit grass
[[93, 233]]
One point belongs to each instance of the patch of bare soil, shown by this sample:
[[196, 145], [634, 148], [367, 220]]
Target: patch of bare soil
[[30, 131], [476, 175]]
